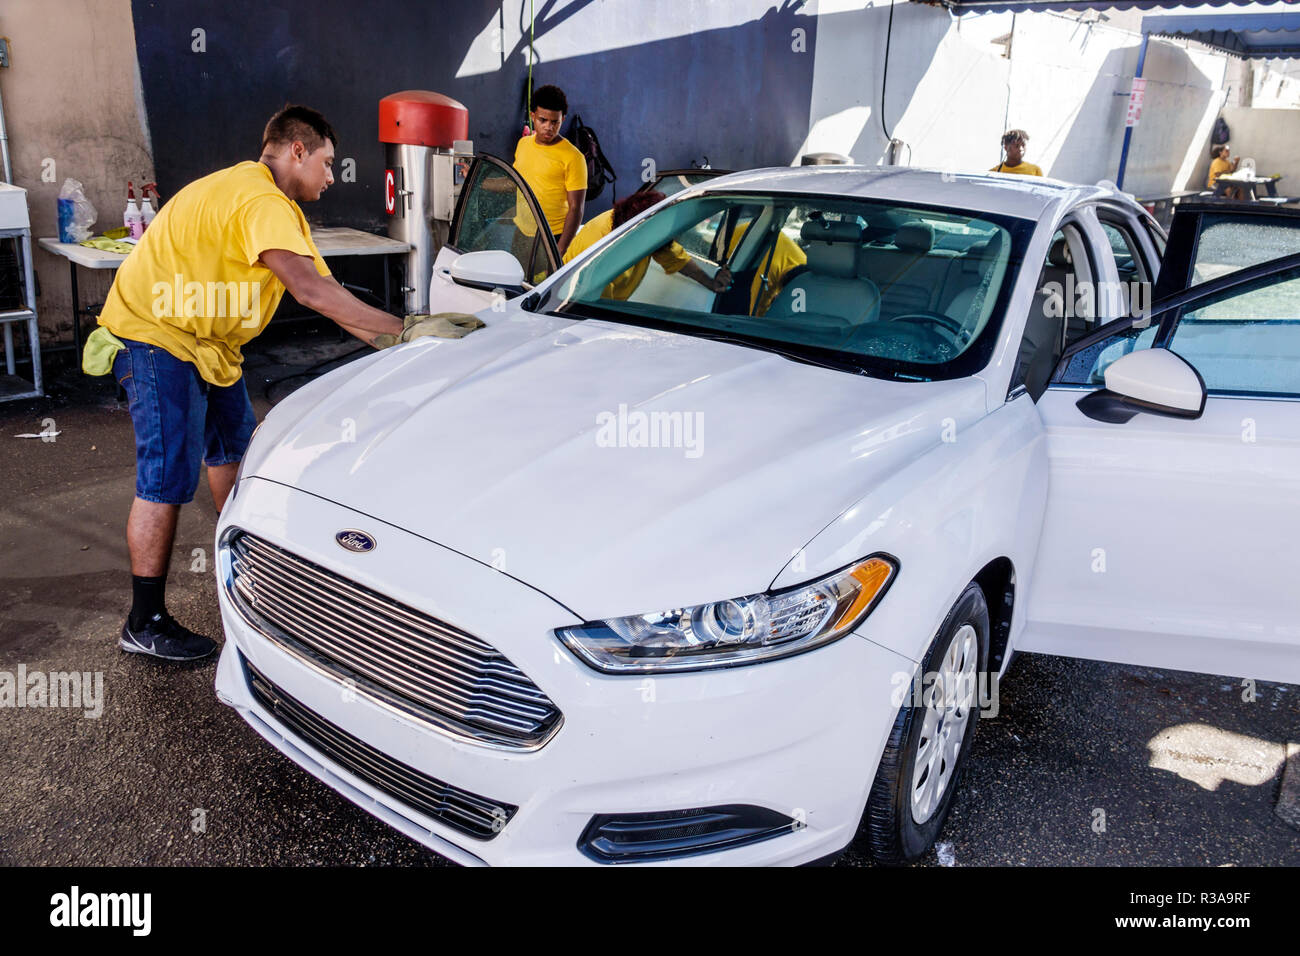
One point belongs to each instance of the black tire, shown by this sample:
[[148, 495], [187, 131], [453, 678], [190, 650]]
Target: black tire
[[891, 832]]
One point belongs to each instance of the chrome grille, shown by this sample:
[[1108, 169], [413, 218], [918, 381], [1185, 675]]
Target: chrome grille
[[391, 652], [464, 811]]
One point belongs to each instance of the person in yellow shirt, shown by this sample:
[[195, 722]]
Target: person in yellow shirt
[[205, 278], [773, 268], [671, 258], [1221, 164], [1013, 144], [555, 170]]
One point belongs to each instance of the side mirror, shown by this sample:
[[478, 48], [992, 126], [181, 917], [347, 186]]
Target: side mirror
[[490, 270], [1151, 380]]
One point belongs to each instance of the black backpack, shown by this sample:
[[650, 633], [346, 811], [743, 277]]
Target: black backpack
[[599, 171], [1221, 132]]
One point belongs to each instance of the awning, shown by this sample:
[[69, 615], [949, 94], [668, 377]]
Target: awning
[[1252, 35]]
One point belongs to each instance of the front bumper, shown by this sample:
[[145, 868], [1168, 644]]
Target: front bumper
[[800, 736]]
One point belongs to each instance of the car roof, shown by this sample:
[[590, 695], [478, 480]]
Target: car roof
[[1026, 197]]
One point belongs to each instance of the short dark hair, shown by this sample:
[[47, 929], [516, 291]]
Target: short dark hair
[[1015, 136], [298, 123], [550, 97], [635, 204]]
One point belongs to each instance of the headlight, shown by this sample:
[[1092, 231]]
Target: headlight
[[740, 631]]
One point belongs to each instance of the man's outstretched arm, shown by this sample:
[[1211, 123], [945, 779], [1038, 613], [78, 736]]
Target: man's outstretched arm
[[323, 294]]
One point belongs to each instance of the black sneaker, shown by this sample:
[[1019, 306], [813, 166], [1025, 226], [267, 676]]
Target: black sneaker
[[163, 637]]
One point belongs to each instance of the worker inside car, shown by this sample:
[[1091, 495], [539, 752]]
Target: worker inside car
[[672, 258], [777, 260]]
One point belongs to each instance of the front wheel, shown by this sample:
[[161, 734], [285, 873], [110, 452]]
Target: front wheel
[[919, 769]]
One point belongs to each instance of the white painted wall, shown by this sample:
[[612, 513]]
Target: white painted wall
[[951, 92]]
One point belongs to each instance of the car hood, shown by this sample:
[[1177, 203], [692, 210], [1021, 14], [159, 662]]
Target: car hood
[[619, 470]]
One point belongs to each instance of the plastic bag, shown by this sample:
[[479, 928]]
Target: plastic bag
[[76, 214]]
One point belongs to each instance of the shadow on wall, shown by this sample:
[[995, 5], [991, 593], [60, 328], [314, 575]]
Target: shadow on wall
[[1170, 145], [211, 77]]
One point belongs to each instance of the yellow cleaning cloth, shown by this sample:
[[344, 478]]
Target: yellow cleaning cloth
[[101, 347], [446, 325]]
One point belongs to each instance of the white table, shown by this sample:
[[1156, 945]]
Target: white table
[[1248, 182], [332, 241]]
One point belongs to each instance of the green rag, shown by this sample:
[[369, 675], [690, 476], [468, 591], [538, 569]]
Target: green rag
[[445, 325], [108, 245], [101, 347]]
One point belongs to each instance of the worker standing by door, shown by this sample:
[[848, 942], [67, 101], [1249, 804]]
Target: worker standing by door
[[555, 170], [203, 280]]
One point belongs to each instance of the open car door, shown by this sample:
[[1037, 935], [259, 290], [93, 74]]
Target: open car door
[[496, 212], [1172, 536]]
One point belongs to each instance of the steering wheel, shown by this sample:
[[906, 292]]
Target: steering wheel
[[925, 315]]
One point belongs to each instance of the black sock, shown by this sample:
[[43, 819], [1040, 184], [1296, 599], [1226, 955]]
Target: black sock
[[147, 595]]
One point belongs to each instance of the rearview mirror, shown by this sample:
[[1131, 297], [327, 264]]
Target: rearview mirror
[[491, 269], [1151, 380]]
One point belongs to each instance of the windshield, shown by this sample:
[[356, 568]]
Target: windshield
[[864, 284]]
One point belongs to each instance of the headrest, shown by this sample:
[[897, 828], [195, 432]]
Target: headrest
[[1059, 254], [830, 230], [915, 236], [838, 259]]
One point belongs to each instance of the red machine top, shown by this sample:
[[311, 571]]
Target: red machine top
[[422, 118]]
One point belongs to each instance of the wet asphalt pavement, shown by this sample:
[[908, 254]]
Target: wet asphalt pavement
[[1085, 764]]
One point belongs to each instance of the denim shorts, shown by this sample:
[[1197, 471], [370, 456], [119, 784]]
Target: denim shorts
[[179, 421]]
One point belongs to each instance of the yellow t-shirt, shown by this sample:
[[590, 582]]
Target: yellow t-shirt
[[1217, 168], [671, 257], [194, 284], [1023, 169], [551, 172], [785, 257]]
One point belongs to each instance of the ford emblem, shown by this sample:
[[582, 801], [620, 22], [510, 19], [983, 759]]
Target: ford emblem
[[354, 540]]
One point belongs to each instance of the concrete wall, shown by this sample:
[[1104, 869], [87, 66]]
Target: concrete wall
[[72, 109], [1272, 138]]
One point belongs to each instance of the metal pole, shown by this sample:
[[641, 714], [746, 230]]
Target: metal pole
[[1128, 130]]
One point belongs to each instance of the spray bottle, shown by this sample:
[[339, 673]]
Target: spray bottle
[[147, 212], [132, 219]]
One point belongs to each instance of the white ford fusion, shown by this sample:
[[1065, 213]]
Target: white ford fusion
[[641, 572]]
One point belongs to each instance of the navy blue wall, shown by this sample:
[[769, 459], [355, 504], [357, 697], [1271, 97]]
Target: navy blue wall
[[739, 95]]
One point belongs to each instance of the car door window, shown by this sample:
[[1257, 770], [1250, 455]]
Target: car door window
[[1088, 365], [1227, 243], [1128, 257], [1247, 341], [1063, 310], [496, 213]]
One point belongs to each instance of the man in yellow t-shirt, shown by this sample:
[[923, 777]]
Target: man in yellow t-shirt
[[555, 170], [1013, 142], [671, 258], [204, 279]]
